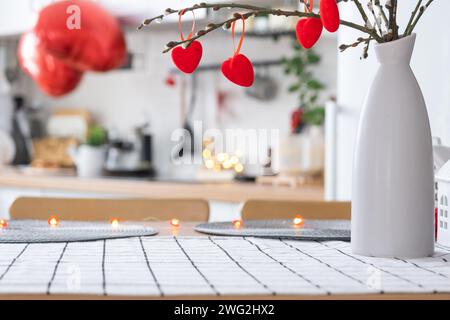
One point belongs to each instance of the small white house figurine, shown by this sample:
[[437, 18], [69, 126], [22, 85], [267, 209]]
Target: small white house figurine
[[442, 184]]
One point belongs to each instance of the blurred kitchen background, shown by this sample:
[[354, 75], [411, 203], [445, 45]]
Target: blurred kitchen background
[[130, 113]]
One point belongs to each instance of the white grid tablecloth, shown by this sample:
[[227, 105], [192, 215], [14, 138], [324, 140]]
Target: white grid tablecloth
[[166, 266]]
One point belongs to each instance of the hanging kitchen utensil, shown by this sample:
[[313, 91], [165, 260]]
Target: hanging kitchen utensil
[[188, 138], [265, 87]]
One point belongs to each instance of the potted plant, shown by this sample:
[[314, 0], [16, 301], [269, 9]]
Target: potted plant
[[90, 156], [302, 152], [392, 199]]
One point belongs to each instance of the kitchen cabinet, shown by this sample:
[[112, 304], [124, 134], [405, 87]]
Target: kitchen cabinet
[[18, 16]]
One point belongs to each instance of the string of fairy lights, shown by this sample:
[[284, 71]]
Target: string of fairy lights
[[54, 222], [222, 161]]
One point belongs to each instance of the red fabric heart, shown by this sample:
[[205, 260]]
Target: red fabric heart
[[188, 59], [329, 14], [309, 31], [239, 70]]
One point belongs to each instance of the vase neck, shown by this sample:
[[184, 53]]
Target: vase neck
[[396, 52]]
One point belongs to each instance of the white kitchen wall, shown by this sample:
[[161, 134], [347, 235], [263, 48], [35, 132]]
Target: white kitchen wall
[[431, 62], [123, 99]]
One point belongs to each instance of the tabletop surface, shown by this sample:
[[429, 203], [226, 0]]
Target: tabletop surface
[[180, 262]]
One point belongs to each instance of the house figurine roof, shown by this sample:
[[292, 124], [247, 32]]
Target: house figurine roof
[[444, 172], [441, 155]]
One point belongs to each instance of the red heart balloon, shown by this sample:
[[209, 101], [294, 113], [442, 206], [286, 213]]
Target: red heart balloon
[[52, 76], [329, 14], [309, 31], [188, 59], [239, 70], [82, 34]]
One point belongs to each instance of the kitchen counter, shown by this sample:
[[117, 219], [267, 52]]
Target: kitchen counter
[[127, 187]]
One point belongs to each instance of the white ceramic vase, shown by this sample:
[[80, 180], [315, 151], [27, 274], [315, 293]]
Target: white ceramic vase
[[393, 195]]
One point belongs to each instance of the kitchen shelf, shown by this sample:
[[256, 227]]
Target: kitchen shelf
[[256, 64], [273, 34], [277, 34]]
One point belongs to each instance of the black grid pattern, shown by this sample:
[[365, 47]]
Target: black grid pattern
[[167, 266]]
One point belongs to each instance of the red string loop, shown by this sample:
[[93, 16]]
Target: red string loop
[[180, 15], [311, 6], [241, 40]]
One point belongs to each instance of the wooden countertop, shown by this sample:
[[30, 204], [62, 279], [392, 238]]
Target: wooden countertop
[[230, 191]]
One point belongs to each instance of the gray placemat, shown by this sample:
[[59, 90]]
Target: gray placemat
[[33, 231], [320, 230]]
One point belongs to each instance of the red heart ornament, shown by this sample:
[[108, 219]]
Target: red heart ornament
[[309, 31], [239, 70], [329, 14], [188, 59]]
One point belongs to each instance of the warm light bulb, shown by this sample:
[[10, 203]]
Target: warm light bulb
[[207, 153], [209, 164], [234, 160], [3, 224], [53, 222], [299, 221], [115, 223], [238, 224], [239, 168], [175, 222], [227, 164], [221, 157]]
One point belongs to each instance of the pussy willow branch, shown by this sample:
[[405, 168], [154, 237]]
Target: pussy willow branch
[[365, 54], [394, 18], [421, 12], [358, 41], [393, 27], [383, 14], [411, 19], [363, 13], [370, 6], [252, 11]]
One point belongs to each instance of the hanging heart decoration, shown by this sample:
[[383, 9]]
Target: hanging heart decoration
[[309, 30], [239, 69], [187, 59], [329, 14]]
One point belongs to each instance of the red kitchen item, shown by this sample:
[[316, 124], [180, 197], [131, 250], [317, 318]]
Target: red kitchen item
[[82, 34], [296, 119], [435, 223], [170, 80], [52, 76], [309, 31], [239, 69], [329, 14], [187, 59]]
